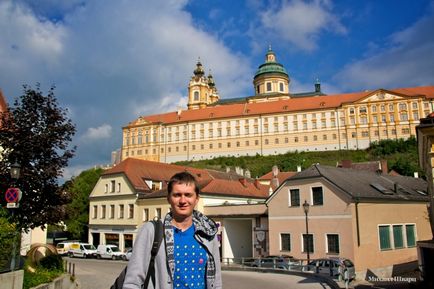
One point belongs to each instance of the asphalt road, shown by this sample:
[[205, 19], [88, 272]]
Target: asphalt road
[[100, 274]]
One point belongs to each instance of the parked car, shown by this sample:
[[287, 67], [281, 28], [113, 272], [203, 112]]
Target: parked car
[[63, 248], [331, 266], [82, 250], [109, 252], [128, 253], [277, 262]]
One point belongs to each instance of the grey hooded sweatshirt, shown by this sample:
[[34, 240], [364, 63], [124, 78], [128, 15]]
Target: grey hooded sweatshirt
[[205, 233]]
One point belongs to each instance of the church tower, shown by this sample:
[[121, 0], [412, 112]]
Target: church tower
[[202, 90], [271, 77]]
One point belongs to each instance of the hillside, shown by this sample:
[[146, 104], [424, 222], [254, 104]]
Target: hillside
[[401, 155]]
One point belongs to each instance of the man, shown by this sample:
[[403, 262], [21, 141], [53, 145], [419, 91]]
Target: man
[[190, 255]]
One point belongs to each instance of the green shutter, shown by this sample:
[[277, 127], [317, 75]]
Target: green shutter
[[411, 236], [384, 232], [398, 240]]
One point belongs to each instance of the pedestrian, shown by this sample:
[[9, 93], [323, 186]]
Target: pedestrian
[[189, 254]]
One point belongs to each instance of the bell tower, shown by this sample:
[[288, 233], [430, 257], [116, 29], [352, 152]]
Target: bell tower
[[202, 90]]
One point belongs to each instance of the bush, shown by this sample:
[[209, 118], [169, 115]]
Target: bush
[[51, 262], [40, 276]]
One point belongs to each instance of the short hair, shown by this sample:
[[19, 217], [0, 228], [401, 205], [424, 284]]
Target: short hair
[[183, 178]]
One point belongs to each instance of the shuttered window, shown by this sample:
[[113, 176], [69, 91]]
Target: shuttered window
[[398, 239], [411, 235], [384, 232]]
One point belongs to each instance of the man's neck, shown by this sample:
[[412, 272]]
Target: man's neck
[[182, 223]]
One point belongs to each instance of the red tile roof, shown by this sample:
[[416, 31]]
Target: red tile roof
[[279, 106], [281, 176], [211, 182]]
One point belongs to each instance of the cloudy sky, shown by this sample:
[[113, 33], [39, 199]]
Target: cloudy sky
[[113, 60]]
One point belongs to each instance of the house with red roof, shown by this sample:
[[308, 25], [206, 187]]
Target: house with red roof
[[135, 191]]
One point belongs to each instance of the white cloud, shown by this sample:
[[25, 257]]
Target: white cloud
[[97, 133], [300, 22], [406, 60], [111, 63]]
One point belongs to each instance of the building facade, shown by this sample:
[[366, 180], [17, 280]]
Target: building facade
[[134, 192], [371, 218], [274, 120]]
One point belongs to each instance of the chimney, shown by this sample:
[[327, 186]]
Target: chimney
[[346, 164], [383, 166], [247, 174]]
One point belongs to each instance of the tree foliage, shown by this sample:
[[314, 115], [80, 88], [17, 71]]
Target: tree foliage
[[77, 212], [35, 132], [401, 155]]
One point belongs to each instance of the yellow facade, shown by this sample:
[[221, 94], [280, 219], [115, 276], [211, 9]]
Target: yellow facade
[[353, 124]]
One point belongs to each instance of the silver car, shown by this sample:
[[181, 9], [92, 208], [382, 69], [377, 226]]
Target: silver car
[[333, 267]]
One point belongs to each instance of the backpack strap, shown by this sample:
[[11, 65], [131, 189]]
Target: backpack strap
[[158, 237]]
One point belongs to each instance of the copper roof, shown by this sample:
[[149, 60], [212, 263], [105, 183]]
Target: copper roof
[[278, 106]]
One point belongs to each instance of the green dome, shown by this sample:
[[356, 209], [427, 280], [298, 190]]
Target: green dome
[[271, 67]]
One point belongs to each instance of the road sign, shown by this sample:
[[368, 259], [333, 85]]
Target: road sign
[[13, 195]]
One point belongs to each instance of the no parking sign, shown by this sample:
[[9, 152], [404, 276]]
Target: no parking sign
[[13, 196]]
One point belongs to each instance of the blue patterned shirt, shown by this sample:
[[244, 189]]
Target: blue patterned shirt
[[190, 260]]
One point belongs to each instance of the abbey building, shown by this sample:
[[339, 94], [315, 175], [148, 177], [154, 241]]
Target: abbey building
[[274, 120]]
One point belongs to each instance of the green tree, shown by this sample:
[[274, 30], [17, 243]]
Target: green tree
[[35, 132], [77, 212]]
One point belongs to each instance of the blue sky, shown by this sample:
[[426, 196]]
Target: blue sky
[[113, 60]]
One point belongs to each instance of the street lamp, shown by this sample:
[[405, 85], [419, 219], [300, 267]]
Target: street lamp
[[15, 171], [306, 211]]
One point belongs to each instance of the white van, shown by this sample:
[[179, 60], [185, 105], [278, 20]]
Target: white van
[[64, 247], [110, 252], [82, 250]]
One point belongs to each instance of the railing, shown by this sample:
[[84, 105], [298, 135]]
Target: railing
[[269, 263]]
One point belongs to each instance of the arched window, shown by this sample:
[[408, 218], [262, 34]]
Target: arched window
[[196, 96]]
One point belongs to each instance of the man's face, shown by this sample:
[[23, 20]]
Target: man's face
[[182, 200]]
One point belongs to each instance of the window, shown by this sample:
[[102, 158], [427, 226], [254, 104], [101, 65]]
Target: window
[[308, 243], [112, 211], [285, 242], [103, 212], [411, 235], [95, 212], [384, 232], [398, 240], [130, 211], [256, 142], [145, 215], [266, 141], [296, 139], [196, 96], [294, 198], [112, 186], [317, 196], [268, 86], [281, 87], [315, 137], [121, 211], [333, 243], [158, 213]]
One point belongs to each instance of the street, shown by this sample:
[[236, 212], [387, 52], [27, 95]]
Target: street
[[95, 274]]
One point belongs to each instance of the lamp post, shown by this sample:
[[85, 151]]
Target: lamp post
[[15, 175], [306, 211]]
